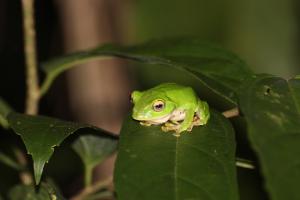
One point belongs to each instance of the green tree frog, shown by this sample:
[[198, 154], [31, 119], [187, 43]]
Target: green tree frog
[[175, 106]]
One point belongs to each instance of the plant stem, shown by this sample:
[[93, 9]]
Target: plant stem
[[32, 96], [231, 113], [88, 176], [93, 188]]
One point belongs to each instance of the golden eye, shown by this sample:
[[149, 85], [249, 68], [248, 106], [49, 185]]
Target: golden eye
[[158, 105]]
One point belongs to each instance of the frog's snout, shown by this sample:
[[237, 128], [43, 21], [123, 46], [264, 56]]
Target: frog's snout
[[135, 115], [138, 116]]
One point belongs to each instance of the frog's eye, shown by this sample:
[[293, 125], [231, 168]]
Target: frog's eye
[[158, 105]]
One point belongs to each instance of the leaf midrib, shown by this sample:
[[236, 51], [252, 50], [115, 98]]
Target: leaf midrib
[[176, 169]]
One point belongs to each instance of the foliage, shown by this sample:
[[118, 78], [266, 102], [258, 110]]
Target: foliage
[[271, 106], [200, 165], [46, 191], [156, 165], [41, 134]]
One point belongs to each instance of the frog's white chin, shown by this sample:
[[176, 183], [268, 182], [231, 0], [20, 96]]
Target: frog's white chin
[[159, 120], [176, 115]]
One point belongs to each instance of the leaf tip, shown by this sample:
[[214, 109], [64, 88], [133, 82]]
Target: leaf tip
[[38, 167]]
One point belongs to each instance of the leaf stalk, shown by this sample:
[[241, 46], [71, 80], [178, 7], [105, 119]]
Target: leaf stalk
[[101, 184]]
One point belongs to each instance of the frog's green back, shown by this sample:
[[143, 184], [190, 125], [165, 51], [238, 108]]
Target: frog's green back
[[179, 94]]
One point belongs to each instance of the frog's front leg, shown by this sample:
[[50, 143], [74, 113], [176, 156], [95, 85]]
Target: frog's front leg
[[168, 126], [187, 122], [175, 122]]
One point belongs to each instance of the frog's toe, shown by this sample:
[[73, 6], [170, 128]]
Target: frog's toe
[[145, 123], [181, 129], [168, 128], [190, 128], [164, 129], [176, 134]]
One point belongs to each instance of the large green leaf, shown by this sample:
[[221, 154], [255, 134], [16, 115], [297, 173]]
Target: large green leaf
[[271, 107], [199, 165], [93, 149], [216, 69], [41, 134], [5, 109]]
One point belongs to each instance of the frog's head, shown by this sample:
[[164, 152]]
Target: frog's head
[[151, 105]]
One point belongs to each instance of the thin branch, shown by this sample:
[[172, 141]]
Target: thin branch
[[32, 96], [93, 188], [231, 113]]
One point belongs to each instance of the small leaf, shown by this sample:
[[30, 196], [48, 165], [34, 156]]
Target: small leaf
[[5, 109], [41, 134], [216, 69], [152, 164], [93, 149], [7, 160], [271, 106]]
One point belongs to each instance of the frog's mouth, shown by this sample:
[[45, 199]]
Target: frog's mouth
[[158, 120]]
